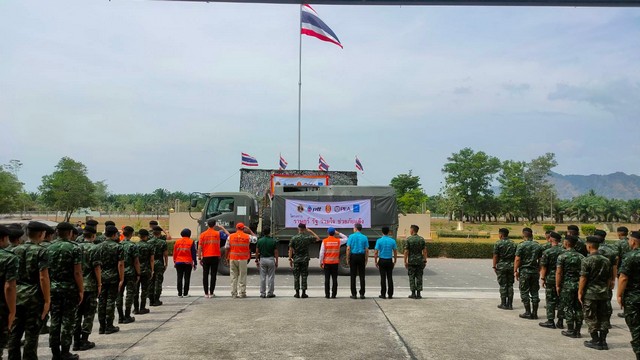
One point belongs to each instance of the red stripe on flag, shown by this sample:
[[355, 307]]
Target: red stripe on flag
[[319, 36]]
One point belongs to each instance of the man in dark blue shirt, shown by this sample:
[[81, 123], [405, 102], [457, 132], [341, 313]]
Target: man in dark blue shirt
[[357, 257]]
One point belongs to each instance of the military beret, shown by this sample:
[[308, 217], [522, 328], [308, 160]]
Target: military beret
[[573, 227], [504, 231], [156, 229], [143, 232], [635, 235], [75, 231], [50, 230], [109, 223], [555, 235], [65, 226], [571, 239], [623, 229], [128, 229], [527, 230], [15, 231], [153, 223], [601, 233], [90, 230], [37, 226], [594, 239], [4, 231], [92, 222], [110, 230]]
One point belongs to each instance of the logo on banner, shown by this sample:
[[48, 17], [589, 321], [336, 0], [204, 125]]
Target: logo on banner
[[356, 208], [328, 209]]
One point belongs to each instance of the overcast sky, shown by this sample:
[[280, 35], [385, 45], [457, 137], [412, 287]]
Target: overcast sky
[[152, 94]]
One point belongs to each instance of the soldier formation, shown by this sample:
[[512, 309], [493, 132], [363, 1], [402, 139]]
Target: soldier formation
[[71, 278], [579, 278]]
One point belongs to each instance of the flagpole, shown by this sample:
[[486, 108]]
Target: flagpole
[[299, 83]]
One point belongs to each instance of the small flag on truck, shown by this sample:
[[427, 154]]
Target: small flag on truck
[[248, 160], [283, 163], [322, 164], [359, 165]]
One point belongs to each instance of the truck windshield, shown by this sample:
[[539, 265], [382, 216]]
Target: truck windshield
[[219, 205]]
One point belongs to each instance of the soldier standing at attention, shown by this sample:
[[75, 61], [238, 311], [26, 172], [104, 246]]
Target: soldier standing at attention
[[112, 259], [593, 294], [161, 258], [629, 290], [547, 236], [504, 253], [581, 246], [92, 276], [622, 247], [357, 258], [163, 234], [147, 261], [612, 255], [8, 277], [48, 239], [299, 259], [567, 280], [15, 233], [548, 276], [415, 260], [527, 271], [330, 260], [33, 295], [131, 277], [67, 290], [92, 223]]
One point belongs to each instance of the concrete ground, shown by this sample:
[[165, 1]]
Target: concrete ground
[[458, 319]]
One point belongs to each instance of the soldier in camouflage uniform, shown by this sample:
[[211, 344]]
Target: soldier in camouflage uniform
[[8, 276], [147, 260], [67, 290], [299, 257], [48, 239], [161, 256], [527, 271], [622, 248], [91, 272], [131, 277], [33, 296], [112, 259], [547, 236], [15, 234], [629, 290], [567, 280], [548, 274], [102, 237], [593, 293], [581, 245], [415, 260], [504, 253], [611, 254], [90, 223]]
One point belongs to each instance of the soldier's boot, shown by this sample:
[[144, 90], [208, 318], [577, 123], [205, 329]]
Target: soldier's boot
[[569, 332], [637, 356], [136, 306], [510, 302], [413, 295], [577, 330], [560, 323], [594, 343], [527, 311], [603, 340], [66, 355], [304, 294], [86, 344], [128, 318], [503, 303], [297, 295], [102, 328], [55, 353], [110, 329], [418, 296], [77, 342], [121, 316], [158, 302], [534, 312], [549, 324], [44, 329]]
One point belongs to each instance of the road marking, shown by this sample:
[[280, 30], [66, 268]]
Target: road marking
[[408, 353]]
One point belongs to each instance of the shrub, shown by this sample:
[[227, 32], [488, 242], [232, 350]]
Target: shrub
[[170, 244], [548, 228], [519, 237], [453, 250], [460, 234], [588, 229]]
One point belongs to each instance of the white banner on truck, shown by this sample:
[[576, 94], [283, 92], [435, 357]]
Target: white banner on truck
[[338, 214]]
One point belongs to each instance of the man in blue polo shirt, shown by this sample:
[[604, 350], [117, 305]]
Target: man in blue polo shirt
[[357, 257], [385, 256]]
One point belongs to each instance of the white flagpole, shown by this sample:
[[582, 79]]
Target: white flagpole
[[299, 84]]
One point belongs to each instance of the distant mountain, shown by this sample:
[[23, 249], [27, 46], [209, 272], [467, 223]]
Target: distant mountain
[[615, 186]]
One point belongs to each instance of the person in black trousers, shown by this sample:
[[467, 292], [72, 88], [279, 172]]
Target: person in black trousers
[[385, 256], [357, 257], [184, 259]]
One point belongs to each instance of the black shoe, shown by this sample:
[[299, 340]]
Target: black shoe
[[577, 331], [136, 312], [304, 295], [101, 331], [568, 333], [390, 297], [297, 295], [270, 296], [86, 345], [603, 340], [127, 320], [413, 295], [111, 329], [69, 356], [327, 297], [353, 297], [418, 296], [527, 312], [534, 311], [510, 302], [560, 324], [263, 296], [333, 296], [382, 296], [362, 297], [143, 311], [503, 303], [594, 343], [549, 324]]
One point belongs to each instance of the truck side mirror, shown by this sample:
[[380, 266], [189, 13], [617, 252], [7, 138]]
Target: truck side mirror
[[194, 203]]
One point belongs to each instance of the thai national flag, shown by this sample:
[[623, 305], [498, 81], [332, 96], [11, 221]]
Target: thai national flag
[[311, 25], [322, 164], [248, 160], [283, 163], [359, 165]]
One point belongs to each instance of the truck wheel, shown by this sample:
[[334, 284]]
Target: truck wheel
[[223, 266], [343, 267]]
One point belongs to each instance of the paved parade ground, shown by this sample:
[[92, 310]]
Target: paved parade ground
[[458, 319]]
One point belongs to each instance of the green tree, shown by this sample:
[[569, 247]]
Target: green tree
[[409, 193], [10, 191], [68, 187], [468, 177], [513, 190], [633, 210]]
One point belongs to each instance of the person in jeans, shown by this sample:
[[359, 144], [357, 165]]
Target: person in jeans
[[330, 260], [184, 258], [357, 257], [385, 256], [267, 262], [209, 255]]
